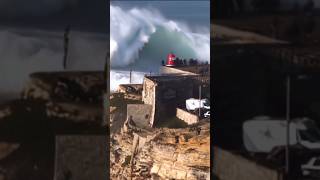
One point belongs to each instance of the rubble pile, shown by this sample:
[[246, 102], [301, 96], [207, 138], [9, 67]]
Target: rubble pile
[[161, 153], [65, 86], [72, 96]]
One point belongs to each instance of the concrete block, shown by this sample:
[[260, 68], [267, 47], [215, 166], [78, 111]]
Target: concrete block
[[186, 116]]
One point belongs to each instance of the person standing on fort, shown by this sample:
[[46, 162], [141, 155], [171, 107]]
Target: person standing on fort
[[66, 44], [184, 62]]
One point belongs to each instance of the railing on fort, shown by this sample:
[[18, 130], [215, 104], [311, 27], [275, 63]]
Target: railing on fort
[[204, 79], [302, 59]]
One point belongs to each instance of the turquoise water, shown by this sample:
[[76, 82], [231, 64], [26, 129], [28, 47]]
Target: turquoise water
[[190, 39], [194, 13]]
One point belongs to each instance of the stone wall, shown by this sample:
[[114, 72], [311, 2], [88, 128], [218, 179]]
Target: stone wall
[[148, 90], [166, 93], [148, 95], [170, 95], [141, 114], [171, 70], [187, 117], [231, 166]]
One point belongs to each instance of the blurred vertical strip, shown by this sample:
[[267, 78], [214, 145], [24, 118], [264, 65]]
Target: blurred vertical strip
[[106, 96]]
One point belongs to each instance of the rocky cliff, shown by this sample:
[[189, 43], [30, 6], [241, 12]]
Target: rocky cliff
[[65, 86], [72, 96], [161, 153], [57, 122]]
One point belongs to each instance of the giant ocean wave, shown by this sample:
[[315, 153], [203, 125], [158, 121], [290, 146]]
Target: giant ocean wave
[[24, 51], [141, 38]]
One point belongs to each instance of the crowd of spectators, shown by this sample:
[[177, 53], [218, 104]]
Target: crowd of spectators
[[185, 62]]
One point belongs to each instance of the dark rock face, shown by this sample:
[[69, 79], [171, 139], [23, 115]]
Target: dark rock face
[[7, 148], [5, 111], [66, 86], [64, 103], [80, 157], [70, 96], [75, 112]]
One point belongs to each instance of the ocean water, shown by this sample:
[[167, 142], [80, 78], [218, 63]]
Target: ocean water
[[26, 51], [143, 38], [142, 33], [31, 39]]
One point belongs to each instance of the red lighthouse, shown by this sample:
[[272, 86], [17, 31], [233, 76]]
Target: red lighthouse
[[171, 60]]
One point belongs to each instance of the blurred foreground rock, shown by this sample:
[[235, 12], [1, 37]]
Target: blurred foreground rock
[[71, 96], [80, 157], [65, 86], [7, 148]]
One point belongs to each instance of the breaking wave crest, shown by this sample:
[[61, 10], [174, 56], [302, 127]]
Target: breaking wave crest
[[26, 51], [141, 38], [141, 34]]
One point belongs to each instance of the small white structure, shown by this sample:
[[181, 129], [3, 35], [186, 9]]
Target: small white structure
[[263, 134], [311, 168], [193, 104]]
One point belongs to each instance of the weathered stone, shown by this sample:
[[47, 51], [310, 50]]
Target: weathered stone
[[5, 112], [65, 86], [7, 148], [75, 112], [134, 89], [166, 93], [140, 114], [170, 70], [186, 116], [160, 157], [80, 157]]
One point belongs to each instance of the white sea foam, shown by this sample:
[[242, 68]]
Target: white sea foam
[[140, 38], [25, 51]]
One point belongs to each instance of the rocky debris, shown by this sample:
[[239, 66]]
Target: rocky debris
[[54, 103], [69, 97], [130, 88], [5, 111], [133, 97], [116, 119], [74, 112], [112, 109], [159, 155], [130, 127], [36, 89], [7, 148], [65, 86], [131, 91]]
